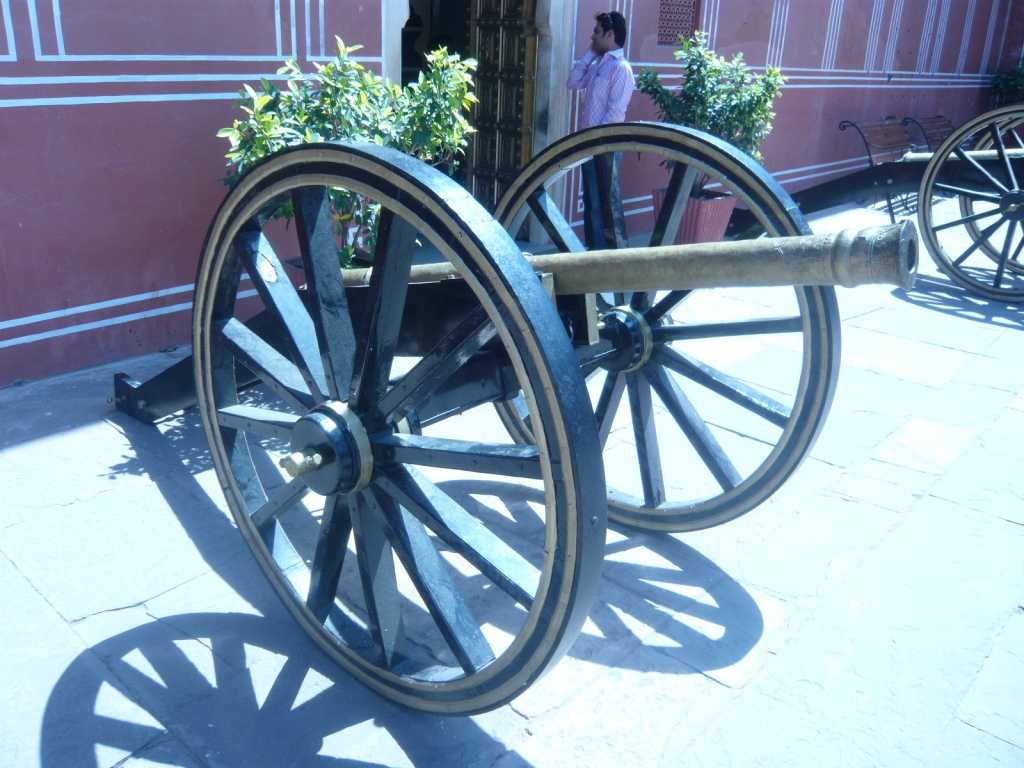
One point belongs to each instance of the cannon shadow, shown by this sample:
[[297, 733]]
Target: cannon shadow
[[243, 689]]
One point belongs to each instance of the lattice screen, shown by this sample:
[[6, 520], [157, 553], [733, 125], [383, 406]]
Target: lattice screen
[[677, 17]]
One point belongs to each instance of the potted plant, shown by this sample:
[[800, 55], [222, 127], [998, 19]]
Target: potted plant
[[724, 99], [342, 100], [1006, 87]]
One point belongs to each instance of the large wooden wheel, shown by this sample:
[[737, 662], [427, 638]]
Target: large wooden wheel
[[717, 395], [434, 607], [972, 205]]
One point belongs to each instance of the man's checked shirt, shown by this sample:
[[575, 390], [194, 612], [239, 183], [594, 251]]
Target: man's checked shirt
[[609, 83]]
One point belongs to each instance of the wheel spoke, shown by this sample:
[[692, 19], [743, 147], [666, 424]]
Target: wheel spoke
[[437, 365], [266, 362], [282, 300], [286, 497], [667, 333], [693, 426], [974, 195], [319, 249], [389, 282], [983, 238], [550, 217], [967, 219], [728, 387], [997, 139], [492, 458], [462, 532], [672, 209], [608, 404], [380, 587], [666, 305], [258, 421], [645, 436], [980, 169], [429, 574], [1020, 247], [331, 545], [641, 300], [1016, 137], [1005, 254]]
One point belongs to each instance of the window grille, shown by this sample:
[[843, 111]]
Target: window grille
[[677, 17]]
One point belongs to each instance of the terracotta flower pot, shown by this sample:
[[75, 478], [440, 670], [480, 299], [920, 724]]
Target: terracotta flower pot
[[705, 219]]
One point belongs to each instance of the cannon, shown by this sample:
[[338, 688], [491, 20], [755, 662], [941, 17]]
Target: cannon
[[970, 194], [447, 563]]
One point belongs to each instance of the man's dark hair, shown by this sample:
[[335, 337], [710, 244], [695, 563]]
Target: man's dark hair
[[613, 20]]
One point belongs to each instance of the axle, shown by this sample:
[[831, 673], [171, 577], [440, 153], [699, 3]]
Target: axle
[[886, 255]]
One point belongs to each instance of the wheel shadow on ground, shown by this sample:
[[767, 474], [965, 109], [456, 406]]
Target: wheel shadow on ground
[[251, 706], [230, 689], [652, 584], [940, 294]]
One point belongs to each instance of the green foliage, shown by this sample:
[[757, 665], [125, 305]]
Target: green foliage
[[342, 100], [722, 98], [1007, 87]]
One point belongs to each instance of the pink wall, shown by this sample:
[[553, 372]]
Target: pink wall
[[109, 165]]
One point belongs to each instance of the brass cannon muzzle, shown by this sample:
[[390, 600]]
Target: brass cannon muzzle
[[876, 255]]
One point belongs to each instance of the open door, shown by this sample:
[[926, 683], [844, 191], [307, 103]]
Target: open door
[[503, 39]]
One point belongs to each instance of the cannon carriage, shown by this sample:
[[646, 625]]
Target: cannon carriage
[[345, 389]]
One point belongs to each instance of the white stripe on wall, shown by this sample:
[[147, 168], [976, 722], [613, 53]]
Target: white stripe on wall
[[835, 20], [67, 331], [894, 34], [874, 32], [777, 35], [940, 36], [12, 51], [31, 319], [992, 18], [926, 36], [965, 42], [93, 79], [58, 101], [277, 27], [58, 27]]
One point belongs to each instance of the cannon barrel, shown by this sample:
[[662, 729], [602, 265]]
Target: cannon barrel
[[885, 255]]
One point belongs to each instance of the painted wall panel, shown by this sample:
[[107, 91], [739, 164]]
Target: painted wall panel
[[852, 35], [744, 26], [804, 43], [165, 27]]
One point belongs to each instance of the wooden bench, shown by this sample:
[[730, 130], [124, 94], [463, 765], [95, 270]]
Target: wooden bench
[[934, 130], [885, 141]]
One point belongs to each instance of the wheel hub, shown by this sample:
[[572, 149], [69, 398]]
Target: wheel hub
[[331, 449], [1012, 205], [631, 336]]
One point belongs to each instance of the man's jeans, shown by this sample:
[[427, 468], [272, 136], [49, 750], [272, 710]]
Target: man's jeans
[[603, 224]]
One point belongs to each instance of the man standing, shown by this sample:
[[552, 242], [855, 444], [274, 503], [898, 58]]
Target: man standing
[[608, 79]]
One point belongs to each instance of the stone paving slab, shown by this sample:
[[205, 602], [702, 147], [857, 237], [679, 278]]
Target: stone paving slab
[[870, 613]]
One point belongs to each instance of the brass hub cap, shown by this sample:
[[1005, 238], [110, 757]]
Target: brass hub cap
[[331, 450]]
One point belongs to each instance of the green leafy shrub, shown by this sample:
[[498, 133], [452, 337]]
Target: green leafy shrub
[[342, 100], [722, 98], [1007, 87]]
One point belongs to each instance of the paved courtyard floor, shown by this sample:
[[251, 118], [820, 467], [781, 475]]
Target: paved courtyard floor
[[870, 614]]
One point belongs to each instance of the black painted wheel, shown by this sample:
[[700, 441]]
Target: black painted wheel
[[433, 609], [972, 217], [726, 389]]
